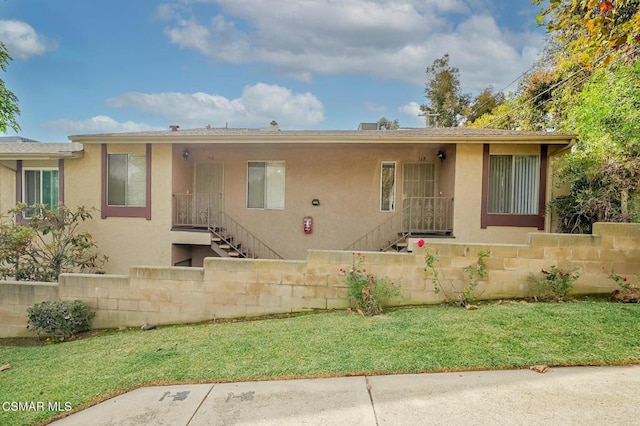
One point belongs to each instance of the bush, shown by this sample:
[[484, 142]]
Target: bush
[[368, 293], [60, 319], [554, 285], [50, 242]]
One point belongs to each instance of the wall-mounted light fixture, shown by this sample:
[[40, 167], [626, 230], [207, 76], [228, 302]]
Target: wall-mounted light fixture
[[441, 155], [185, 154]]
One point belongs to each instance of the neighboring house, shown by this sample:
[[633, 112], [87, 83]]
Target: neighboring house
[[33, 172], [174, 197]]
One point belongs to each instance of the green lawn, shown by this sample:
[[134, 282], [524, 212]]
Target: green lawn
[[507, 335]]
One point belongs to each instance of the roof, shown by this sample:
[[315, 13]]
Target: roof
[[39, 150], [403, 135], [15, 139]]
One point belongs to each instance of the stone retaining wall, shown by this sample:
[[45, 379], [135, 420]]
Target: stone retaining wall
[[226, 288]]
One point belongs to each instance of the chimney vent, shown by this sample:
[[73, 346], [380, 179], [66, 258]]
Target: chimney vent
[[174, 127]]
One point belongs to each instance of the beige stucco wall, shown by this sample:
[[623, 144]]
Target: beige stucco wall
[[125, 241], [227, 288], [345, 178], [7, 185], [468, 190], [8, 179]]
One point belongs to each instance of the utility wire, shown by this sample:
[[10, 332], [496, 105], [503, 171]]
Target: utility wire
[[477, 108], [553, 87]]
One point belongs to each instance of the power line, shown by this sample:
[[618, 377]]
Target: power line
[[553, 87]]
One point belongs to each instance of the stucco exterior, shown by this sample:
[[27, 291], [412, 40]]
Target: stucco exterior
[[7, 185], [340, 170], [125, 240]]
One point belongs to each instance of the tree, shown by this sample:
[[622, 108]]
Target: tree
[[442, 90], [603, 173], [503, 116], [385, 124], [594, 29], [484, 103], [8, 101], [47, 244]]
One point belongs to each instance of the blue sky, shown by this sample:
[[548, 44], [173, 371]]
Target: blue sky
[[123, 65]]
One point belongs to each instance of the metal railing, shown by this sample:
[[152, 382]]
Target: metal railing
[[239, 238], [427, 215], [382, 236], [191, 210], [419, 215]]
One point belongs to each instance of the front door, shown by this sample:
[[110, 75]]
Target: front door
[[208, 192], [418, 195]]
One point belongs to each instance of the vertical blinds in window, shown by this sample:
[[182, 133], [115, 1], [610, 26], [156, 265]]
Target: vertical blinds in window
[[513, 184]]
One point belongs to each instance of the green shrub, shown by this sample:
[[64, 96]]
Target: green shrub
[[59, 319], [368, 293]]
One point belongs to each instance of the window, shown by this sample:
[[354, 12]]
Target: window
[[513, 184], [40, 186], [513, 189], [387, 186], [126, 183], [265, 185]]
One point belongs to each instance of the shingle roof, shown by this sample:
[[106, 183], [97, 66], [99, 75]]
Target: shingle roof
[[217, 134], [40, 149]]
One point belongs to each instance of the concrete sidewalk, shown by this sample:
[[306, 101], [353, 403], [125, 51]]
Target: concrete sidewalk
[[575, 395]]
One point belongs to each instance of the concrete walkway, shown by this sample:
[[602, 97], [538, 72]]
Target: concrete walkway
[[561, 396]]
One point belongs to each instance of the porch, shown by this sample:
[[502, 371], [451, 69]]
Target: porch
[[419, 216], [393, 191], [228, 238]]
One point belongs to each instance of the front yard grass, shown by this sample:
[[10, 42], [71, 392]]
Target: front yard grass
[[496, 336]]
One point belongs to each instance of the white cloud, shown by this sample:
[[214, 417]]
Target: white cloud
[[256, 107], [384, 39], [21, 39], [97, 124], [411, 113]]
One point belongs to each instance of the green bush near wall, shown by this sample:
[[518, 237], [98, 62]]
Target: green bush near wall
[[59, 319]]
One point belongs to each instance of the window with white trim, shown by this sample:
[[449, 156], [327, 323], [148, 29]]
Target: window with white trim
[[265, 184], [388, 186], [40, 186], [127, 180], [514, 184]]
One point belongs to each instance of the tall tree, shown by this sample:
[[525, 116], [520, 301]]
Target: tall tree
[[593, 29], [442, 90], [386, 124], [603, 173], [484, 103], [8, 101]]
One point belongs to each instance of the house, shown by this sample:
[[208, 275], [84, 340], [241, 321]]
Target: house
[[32, 171], [175, 197]]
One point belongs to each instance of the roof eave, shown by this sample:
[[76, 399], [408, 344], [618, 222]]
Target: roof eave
[[35, 156], [330, 139]]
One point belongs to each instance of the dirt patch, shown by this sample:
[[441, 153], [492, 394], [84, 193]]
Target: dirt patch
[[22, 341], [626, 295]]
